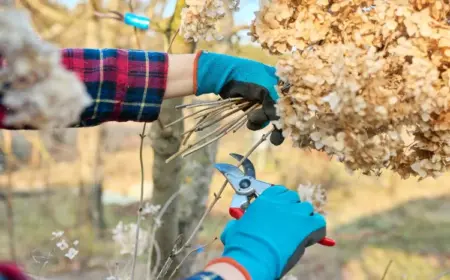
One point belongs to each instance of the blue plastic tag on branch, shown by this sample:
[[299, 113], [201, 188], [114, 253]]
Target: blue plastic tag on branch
[[140, 22], [200, 249]]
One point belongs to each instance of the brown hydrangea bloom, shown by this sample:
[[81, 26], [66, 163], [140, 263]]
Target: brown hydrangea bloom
[[315, 195], [199, 18], [369, 80]]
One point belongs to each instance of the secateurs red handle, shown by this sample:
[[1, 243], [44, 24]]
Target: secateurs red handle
[[246, 186], [237, 213]]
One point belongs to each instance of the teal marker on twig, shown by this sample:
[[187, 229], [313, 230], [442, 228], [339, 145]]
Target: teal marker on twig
[[140, 22]]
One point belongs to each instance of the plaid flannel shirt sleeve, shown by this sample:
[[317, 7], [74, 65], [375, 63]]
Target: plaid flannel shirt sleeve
[[125, 85]]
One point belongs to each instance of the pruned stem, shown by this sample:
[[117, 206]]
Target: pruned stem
[[208, 124], [208, 103], [186, 138], [218, 130], [224, 132], [240, 124], [204, 111], [208, 116]]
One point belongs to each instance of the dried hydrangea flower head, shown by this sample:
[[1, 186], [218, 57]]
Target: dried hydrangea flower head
[[369, 80], [199, 18], [34, 84], [315, 195]]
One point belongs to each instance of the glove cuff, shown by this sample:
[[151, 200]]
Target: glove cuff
[[195, 77], [232, 262], [211, 72]]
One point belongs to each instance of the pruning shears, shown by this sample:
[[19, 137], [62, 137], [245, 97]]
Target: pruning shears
[[247, 188]]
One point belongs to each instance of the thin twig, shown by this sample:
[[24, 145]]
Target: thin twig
[[169, 49], [386, 270], [158, 259], [189, 254], [204, 118], [111, 15], [186, 138], [218, 130], [141, 200], [219, 109], [220, 135], [165, 267], [204, 112], [214, 121], [188, 116], [223, 127], [155, 227], [195, 129], [225, 130], [141, 161], [240, 124], [218, 195], [208, 103]]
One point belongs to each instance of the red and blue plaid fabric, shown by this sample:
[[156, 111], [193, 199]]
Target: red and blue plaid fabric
[[126, 85]]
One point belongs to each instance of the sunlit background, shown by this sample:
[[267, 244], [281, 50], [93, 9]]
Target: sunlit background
[[86, 182]]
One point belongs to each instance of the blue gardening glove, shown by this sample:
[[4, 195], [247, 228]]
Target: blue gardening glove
[[273, 233], [231, 76]]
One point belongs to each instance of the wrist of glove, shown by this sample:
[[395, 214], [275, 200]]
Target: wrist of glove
[[230, 77], [273, 234]]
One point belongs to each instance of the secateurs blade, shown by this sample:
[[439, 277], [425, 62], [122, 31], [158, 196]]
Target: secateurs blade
[[247, 188]]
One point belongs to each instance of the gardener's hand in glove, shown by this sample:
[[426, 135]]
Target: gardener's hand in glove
[[271, 236], [231, 76]]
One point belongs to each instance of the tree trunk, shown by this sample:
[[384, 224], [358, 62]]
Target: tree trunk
[[166, 177], [10, 165], [166, 142], [10, 219], [97, 208], [197, 170]]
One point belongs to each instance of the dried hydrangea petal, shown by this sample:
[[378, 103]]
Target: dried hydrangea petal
[[375, 93]]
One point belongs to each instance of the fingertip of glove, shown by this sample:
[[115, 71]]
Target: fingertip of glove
[[277, 138], [320, 219], [253, 126]]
